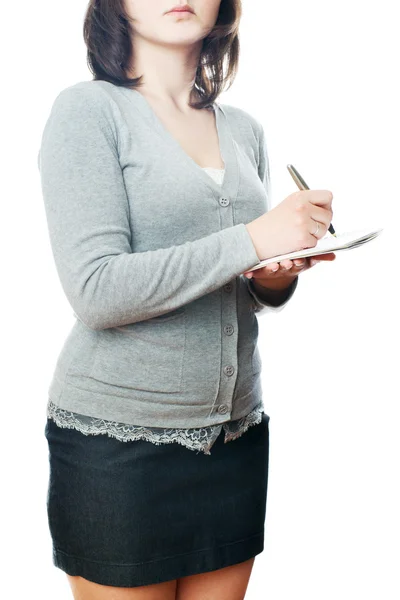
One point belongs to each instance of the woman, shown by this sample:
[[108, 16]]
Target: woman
[[157, 204]]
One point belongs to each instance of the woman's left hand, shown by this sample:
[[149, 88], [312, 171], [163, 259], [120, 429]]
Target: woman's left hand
[[277, 274]]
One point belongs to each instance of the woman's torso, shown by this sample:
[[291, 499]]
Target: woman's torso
[[200, 439], [192, 366]]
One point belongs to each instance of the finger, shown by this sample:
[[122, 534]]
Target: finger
[[286, 264], [320, 198], [318, 229], [299, 263], [320, 258], [323, 215], [328, 256], [272, 267]]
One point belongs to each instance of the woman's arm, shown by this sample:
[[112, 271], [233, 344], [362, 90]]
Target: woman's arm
[[276, 294], [88, 217]]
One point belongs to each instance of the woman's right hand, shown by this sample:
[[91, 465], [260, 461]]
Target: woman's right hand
[[291, 225]]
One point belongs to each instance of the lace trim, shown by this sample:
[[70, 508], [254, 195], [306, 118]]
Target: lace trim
[[200, 439]]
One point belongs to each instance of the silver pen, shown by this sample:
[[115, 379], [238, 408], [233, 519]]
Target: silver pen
[[301, 184]]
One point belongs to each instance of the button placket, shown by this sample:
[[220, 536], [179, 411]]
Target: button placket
[[223, 405], [229, 332]]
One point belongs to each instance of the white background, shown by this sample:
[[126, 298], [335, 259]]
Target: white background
[[323, 80]]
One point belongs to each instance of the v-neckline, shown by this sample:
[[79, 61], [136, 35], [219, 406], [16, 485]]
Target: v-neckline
[[226, 145]]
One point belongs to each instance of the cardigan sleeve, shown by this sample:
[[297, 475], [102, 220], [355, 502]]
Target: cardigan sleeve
[[273, 300], [87, 212]]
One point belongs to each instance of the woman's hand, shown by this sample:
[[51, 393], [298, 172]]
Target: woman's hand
[[278, 276], [296, 223]]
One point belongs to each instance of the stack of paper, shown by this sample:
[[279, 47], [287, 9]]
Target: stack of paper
[[329, 243]]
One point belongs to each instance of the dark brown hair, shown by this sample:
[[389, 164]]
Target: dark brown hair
[[107, 34]]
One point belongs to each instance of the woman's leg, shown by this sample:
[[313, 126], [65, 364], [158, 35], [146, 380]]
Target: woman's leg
[[82, 589], [230, 582]]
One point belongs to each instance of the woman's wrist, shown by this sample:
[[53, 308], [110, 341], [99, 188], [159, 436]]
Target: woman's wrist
[[275, 285], [273, 297]]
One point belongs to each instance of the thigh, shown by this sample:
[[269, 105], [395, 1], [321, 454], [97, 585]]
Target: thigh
[[83, 589], [230, 582]]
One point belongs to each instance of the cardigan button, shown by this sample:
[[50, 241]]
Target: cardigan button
[[228, 287], [228, 329], [229, 370], [222, 409], [224, 201]]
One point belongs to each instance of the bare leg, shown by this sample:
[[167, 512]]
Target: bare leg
[[230, 582], [82, 589]]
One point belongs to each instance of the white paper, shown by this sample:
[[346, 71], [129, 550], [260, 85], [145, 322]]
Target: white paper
[[329, 243]]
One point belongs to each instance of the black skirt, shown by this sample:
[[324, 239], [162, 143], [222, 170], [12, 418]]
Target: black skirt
[[134, 513]]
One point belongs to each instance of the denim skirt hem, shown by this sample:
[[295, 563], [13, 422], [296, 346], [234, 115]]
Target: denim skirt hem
[[129, 514], [163, 569]]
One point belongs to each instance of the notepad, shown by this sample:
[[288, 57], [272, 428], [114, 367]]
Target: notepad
[[329, 243]]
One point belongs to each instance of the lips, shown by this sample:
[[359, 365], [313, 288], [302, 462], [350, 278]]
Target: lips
[[184, 8]]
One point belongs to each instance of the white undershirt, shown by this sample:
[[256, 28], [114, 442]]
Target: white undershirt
[[216, 174]]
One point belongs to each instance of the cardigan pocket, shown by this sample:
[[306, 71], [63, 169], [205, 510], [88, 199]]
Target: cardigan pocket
[[146, 355]]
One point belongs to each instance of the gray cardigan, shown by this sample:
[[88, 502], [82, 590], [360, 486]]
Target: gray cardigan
[[150, 256]]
